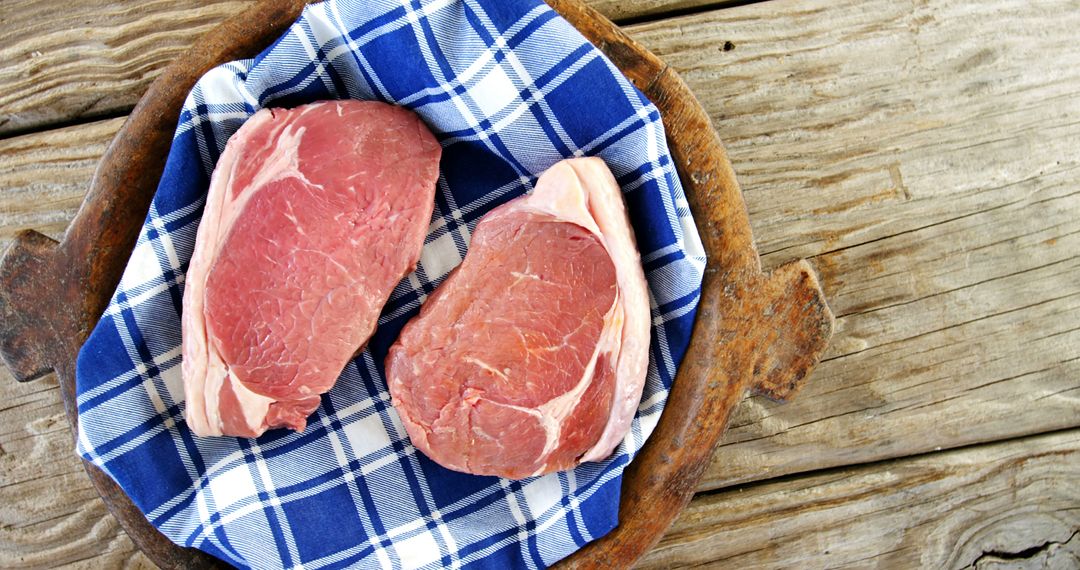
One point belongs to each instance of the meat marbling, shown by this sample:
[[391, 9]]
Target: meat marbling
[[313, 215], [531, 356]]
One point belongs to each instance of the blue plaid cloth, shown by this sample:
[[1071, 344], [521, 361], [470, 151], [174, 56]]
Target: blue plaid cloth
[[509, 88]]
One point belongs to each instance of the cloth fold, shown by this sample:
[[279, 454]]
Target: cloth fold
[[509, 88]]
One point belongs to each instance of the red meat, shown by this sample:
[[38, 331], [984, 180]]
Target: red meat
[[314, 214], [531, 356]]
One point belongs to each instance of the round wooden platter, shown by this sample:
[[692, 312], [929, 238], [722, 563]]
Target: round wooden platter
[[762, 332]]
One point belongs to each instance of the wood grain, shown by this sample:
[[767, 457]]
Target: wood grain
[[923, 156], [993, 506], [66, 61], [43, 177], [50, 515], [52, 293]]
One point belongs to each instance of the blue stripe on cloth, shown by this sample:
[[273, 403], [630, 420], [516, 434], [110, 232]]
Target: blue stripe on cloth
[[509, 88]]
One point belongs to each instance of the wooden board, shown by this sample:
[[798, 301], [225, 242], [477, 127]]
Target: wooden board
[[996, 506], [753, 330], [78, 61], [815, 120]]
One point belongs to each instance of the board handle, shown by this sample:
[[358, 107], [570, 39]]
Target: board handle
[[30, 290], [798, 327]]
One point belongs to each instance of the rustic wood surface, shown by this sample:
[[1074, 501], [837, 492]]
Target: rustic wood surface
[[65, 61], [976, 507], [923, 156]]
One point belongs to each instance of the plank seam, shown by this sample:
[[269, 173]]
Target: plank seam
[[651, 17], [790, 477]]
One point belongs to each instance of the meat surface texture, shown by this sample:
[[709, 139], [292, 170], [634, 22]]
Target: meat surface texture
[[531, 356], [313, 215]]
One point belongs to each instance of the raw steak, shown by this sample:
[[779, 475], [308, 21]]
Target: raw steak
[[314, 214], [531, 356]]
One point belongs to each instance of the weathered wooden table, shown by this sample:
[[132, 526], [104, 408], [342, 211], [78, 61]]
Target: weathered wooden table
[[925, 156]]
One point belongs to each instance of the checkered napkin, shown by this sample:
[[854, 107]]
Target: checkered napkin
[[509, 88]]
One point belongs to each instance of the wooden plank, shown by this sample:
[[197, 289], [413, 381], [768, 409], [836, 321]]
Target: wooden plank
[[76, 61], [924, 158], [65, 61], [991, 340], [44, 176], [1000, 505], [50, 515], [833, 111]]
